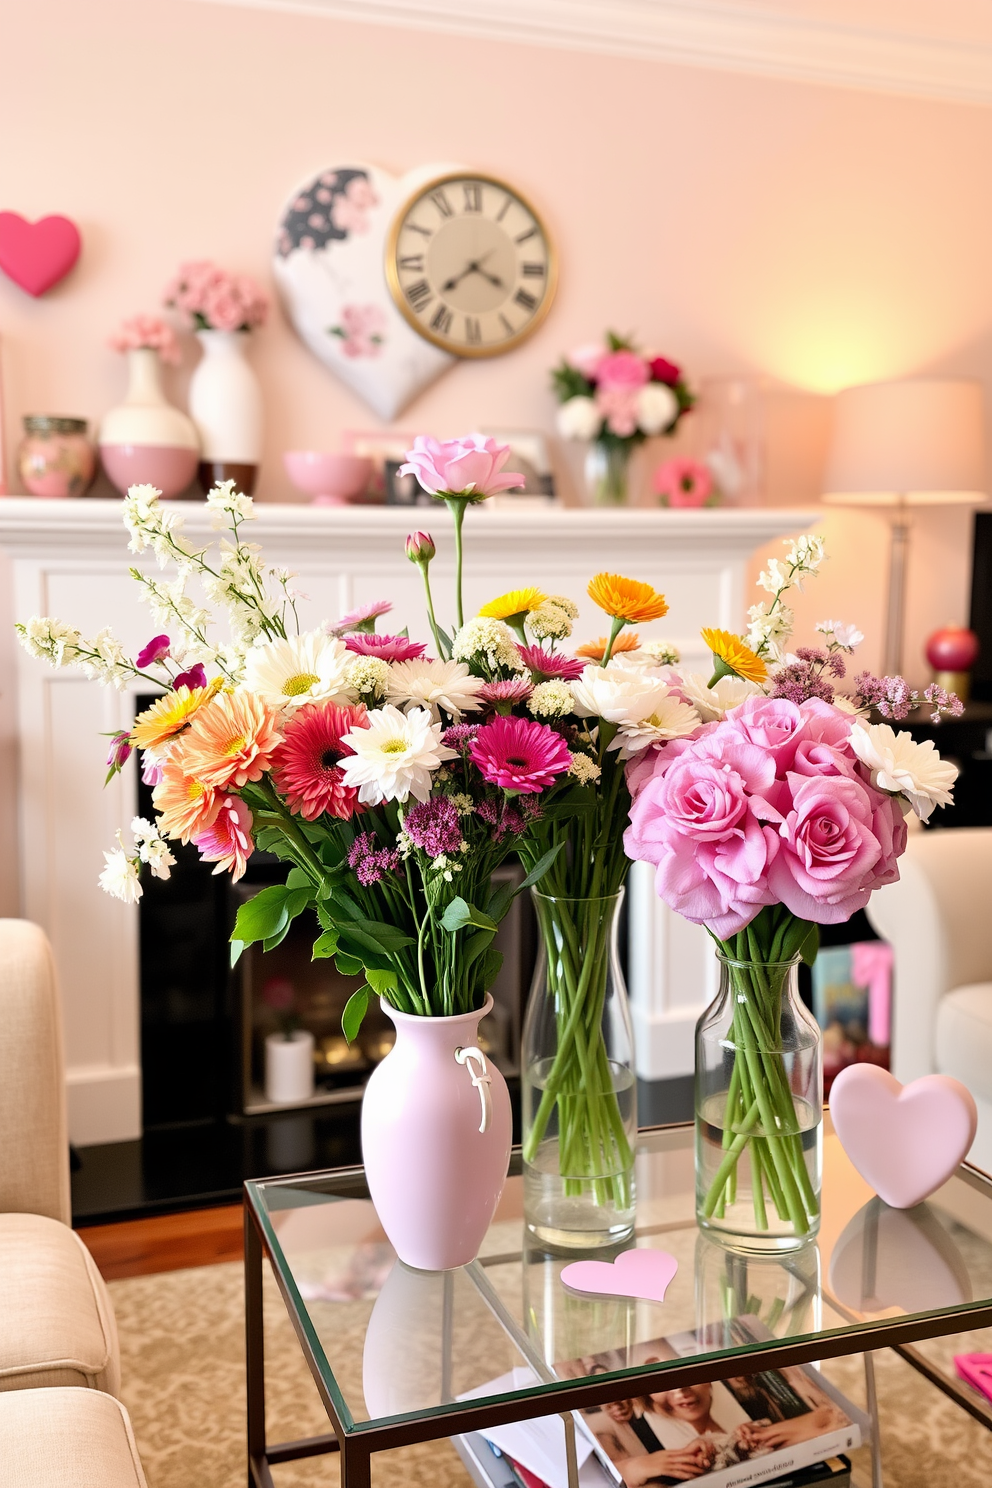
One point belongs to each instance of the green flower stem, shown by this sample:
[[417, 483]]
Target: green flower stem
[[456, 506], [423, 566]]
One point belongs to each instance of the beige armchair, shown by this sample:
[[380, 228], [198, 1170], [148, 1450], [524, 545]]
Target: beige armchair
[[938, 919], [58, 1324]]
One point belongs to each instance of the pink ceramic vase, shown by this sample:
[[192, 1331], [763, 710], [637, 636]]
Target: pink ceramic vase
[[434, 1176]]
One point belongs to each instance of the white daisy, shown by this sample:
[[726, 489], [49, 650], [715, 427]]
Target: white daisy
[[120, 877], [395, 755], [671, 719], [434, 685], [307, 668], [617, 693], [901, 766], [711, 703]]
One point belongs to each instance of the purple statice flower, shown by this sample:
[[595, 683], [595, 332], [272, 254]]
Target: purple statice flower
[[371, 862], [432, 825], [508, 818], [460, 735], [892, 696], [802, 680], [941, 702]]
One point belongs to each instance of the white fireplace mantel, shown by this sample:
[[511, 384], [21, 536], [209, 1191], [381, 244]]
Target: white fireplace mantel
[[70, 559]]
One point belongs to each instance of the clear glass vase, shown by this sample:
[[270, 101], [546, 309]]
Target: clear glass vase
[[759, 1109], [607, 471], [579, 1093]]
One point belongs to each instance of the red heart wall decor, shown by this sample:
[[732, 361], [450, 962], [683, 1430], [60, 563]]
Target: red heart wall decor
[[37, 255]]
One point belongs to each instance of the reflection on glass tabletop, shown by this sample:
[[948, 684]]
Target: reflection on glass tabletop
[[392, 1342]]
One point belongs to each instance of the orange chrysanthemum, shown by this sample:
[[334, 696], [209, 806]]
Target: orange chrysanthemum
[[627, 599], [516, 602], [184, 804], [230, 741], [596, 650], [169, 715], [736, 657]]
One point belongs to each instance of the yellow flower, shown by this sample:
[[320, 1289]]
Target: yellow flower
[[627, 600], [596, 650], [517, 602], [735, 656], [169, 715]]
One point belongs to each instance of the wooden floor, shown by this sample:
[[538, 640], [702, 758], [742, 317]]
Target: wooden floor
[[166, 1242]]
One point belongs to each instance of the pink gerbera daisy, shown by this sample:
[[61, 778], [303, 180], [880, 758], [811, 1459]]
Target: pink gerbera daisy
[[520, 755], [363, 618], [502, 696], [386, 647], [306, 767], [548, 665], [227, 841]]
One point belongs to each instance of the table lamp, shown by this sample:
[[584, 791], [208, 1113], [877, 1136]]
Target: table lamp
[[900, 445]]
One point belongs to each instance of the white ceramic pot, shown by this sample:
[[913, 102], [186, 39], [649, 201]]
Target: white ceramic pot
[[289, 1066], [225, 400], [436, 1132], [146, 440]]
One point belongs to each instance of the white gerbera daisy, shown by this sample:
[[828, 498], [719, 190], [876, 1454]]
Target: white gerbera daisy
[[120, 877], [395, 755], [307, 668], [901, 766], [671, 719], [616, 693], [711, 703], [434, 685]]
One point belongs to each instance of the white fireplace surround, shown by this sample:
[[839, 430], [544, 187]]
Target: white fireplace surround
[[70, 559]]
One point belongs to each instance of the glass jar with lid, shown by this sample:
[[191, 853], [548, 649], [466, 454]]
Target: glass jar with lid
[[55, 458]]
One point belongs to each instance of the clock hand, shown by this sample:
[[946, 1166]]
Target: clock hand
[[473, 267]]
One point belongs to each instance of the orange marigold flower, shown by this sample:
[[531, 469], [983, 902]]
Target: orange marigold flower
[[596, 650], [516, 602], [169, 715], [627, 599], [736, 657], [184, 804], [230, 741]]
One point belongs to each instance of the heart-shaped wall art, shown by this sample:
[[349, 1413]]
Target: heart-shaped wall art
[[646, 1274], [329, 257], [37, 255], [905, 1140]]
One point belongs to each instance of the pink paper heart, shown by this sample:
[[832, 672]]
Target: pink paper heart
[[634, 1273], [905, 1140], [37, 255]]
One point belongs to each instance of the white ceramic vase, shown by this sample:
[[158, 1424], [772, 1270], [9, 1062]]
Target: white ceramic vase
[[146, 440], [289, 1067], [225, 400], [436, 1133]]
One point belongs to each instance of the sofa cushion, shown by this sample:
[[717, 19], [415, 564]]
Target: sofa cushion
[[65, 1438], [58, 1323], [964, 1037]]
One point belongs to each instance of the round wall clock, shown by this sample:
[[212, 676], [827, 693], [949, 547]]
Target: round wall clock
[[470, 265]]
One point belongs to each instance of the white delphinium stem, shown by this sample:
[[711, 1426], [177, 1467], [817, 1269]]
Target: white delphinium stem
[[772, 622]]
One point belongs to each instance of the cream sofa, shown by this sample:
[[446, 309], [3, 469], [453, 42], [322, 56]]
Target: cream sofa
[[59, 1356], [938, 919]]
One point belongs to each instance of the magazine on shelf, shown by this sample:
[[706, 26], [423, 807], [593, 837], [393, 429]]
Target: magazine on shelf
[[753, 1428]]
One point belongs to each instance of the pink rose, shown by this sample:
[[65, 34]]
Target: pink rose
[[824, 870], [469, 466], [618, 406], [622, 369]]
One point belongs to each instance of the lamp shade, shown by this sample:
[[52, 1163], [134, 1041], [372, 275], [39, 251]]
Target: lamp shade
[[919, 442]]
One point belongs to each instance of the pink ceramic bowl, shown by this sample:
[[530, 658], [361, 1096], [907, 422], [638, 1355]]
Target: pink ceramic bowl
[[331, 480]]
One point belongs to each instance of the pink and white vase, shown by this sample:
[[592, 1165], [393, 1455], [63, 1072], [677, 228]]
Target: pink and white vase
[[147, 441], [436, 1135]]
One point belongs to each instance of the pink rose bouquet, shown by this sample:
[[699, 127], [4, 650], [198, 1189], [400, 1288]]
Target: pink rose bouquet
[[210, 299]]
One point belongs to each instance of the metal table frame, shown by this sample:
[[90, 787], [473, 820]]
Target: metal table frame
[[357, 1440]]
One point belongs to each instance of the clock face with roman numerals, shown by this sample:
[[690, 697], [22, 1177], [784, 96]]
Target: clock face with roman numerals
[[470, 265]]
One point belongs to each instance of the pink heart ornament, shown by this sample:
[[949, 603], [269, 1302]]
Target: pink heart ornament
[[646, 1274], [905, 1140], [37, 255]]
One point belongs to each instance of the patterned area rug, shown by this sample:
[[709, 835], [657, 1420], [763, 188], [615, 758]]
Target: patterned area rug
[[182, 1345]]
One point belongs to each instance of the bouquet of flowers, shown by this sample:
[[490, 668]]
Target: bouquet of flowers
[[781, 811], [146, 331], [616, 397], [209, 298]]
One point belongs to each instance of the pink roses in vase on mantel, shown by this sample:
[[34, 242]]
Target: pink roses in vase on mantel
[[615, 397], [783, 811]]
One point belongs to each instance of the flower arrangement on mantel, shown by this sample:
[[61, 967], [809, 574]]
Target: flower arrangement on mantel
[[147, 332], [209, 298]]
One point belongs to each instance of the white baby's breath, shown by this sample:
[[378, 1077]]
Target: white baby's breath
[[551, 700], [488, 641]]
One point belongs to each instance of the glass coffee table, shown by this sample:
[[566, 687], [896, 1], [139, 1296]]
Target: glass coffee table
[[401, 1356]]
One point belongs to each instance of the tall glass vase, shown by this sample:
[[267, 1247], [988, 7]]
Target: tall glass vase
[[578, 1083], [607, 473], [759, 1109]]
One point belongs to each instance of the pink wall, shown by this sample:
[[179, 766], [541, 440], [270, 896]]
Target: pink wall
[[816, 235]]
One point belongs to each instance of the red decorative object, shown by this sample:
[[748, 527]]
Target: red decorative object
[[952, 649], [37, 255]]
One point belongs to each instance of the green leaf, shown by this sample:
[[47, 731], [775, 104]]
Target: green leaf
[[325, 945], [348, 966], [271, 941], [474, 947], [354, 1011], [262, 916], [237, 946], [811, 945], [382, 982], [378, 935], [579, 801], [489, 967], [541, 867], [500, 900], [445, 640], [459, 913], [297, 879]]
